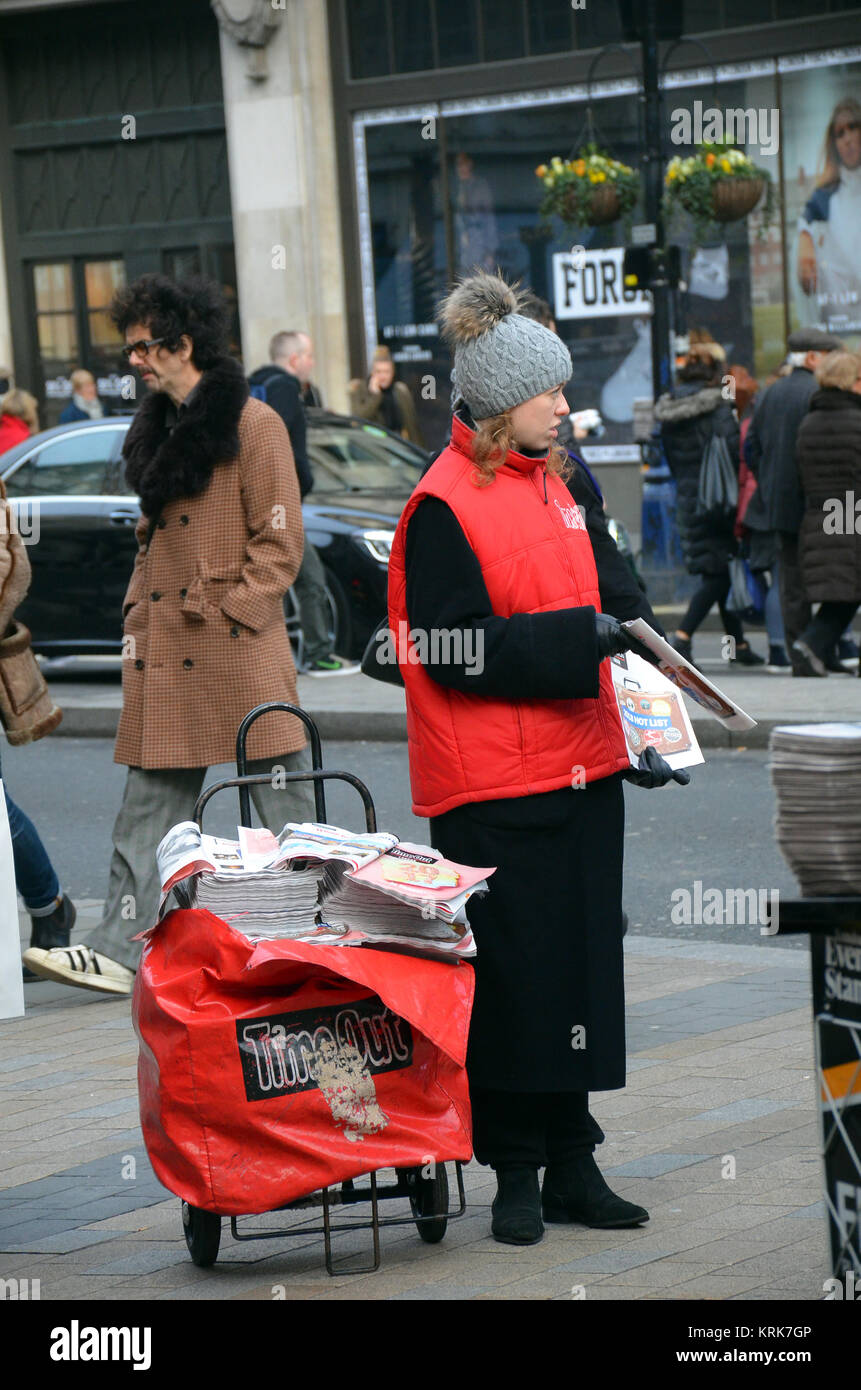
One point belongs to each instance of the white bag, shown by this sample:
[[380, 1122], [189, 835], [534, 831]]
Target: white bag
[[11, 982]]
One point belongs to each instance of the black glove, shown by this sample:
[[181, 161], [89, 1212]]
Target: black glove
[[611, 636], [613, 639], [653, 771]]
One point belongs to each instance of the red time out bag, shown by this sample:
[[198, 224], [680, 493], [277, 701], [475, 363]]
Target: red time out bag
[[269, 1069]]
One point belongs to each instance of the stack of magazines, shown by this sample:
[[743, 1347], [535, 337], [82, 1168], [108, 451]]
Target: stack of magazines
[[318, 882], [816, 772]]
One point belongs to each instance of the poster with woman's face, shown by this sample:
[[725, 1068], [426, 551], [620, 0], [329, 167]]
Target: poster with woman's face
[[821, 120]]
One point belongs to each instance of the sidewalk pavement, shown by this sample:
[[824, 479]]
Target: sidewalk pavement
[[356, 707], [716, 1133]]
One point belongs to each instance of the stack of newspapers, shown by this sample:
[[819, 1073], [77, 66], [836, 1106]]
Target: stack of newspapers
[[816, 772], [318, 882]]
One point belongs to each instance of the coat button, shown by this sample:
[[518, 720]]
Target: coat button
[[183, 592], [234, 631], [183, 520], [188, 663], [161, 523], [155, 595], [139, 665]]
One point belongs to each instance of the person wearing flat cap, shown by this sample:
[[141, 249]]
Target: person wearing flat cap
[[517, 756], [770, 455]]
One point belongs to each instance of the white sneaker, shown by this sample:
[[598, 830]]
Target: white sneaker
[[80, 965]]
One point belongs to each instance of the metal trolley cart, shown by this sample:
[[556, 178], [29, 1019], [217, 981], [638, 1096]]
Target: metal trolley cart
[[834, 926], [428, 1195]]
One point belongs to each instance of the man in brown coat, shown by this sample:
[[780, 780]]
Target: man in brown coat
[[220, 541]]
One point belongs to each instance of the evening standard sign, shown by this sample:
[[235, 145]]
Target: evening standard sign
[[589, 285]]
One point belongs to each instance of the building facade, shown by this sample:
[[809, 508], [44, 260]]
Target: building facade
[[335, 164]]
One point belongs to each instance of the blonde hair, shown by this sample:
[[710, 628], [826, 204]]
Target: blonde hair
[[831, 163], [80, 376], [494, 440], [23, 405], [839, 369]]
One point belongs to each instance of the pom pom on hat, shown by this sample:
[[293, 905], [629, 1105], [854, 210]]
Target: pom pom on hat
[[477, 304]]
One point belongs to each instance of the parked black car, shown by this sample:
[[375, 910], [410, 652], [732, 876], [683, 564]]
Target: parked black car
[[67, 489]]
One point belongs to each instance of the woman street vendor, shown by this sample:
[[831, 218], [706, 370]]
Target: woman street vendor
[[518, 759]]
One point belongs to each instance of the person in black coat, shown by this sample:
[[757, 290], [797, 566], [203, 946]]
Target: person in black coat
[[829, 467], [770, 455], [688, 419]]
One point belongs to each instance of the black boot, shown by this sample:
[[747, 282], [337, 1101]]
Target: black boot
[[576, 1191], [517, 1206], [52, 930]]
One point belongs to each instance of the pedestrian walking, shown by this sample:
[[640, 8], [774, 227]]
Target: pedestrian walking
[[51, 910], [85, 403], [757, 543], [690, 418], [520, 763], [280, 385], [770, 454], [220, 541], [384, 401], [829, 547], [19, 418]]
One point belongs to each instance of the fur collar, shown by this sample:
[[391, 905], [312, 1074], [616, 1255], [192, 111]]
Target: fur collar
[[163, 464], [672, 409]]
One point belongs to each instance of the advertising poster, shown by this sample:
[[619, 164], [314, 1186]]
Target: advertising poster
[[822, 163]]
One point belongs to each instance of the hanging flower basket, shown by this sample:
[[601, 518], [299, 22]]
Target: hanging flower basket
[[733, 199], [717, 184], [592, 190]]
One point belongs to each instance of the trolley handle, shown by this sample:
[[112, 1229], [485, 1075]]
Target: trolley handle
[[242, 762], [318, 776]]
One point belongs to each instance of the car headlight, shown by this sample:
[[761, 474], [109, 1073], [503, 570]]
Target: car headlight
[[378, 543]]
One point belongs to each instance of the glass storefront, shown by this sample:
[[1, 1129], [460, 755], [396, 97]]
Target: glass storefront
[[452, 186]]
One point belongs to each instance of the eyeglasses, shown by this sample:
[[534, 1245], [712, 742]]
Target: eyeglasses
[[845, 128], [141, 347]]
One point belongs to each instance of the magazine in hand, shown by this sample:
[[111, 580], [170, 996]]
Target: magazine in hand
[[653, 713], [689, 679]]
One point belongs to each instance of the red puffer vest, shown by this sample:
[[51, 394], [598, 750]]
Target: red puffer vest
[[535, 556]]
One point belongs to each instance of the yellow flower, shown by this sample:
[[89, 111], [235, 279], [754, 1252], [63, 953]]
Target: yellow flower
[[556, 163], [726, 166], [541, 170], [600, 178]]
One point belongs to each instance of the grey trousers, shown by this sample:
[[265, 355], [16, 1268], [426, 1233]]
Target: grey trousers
[[309, 586], [153, 801]]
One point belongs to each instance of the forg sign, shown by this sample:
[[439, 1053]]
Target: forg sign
[[590, 285]]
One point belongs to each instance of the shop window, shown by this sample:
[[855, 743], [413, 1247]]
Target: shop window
[[412, 36], [368, 38], [503, 29], [549, 26], [702, 16], [739, 14], [457, 32]]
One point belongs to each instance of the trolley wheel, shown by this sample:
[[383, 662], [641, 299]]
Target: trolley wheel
[[430, 1198], [202, 1234]]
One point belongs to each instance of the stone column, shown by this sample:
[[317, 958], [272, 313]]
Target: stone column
[[283, 181]]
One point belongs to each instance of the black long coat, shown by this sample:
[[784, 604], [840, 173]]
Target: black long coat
[[770, 448], [688, 420], [829, 466]]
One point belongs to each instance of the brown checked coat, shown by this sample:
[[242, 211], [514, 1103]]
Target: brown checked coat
[[220, 542]]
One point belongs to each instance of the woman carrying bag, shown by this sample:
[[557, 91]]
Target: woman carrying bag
[[700, 438], [517, 757], [27, 713]]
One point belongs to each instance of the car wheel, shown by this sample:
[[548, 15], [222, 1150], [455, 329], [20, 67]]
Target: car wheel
[[338, 625]]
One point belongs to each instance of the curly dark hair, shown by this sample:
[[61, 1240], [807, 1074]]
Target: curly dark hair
[[171, 308]]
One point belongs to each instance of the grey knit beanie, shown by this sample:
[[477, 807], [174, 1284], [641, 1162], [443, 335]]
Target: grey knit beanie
[[501, 359]]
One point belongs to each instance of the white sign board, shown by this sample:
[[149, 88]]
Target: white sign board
[[11, 983], [589, 285]]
